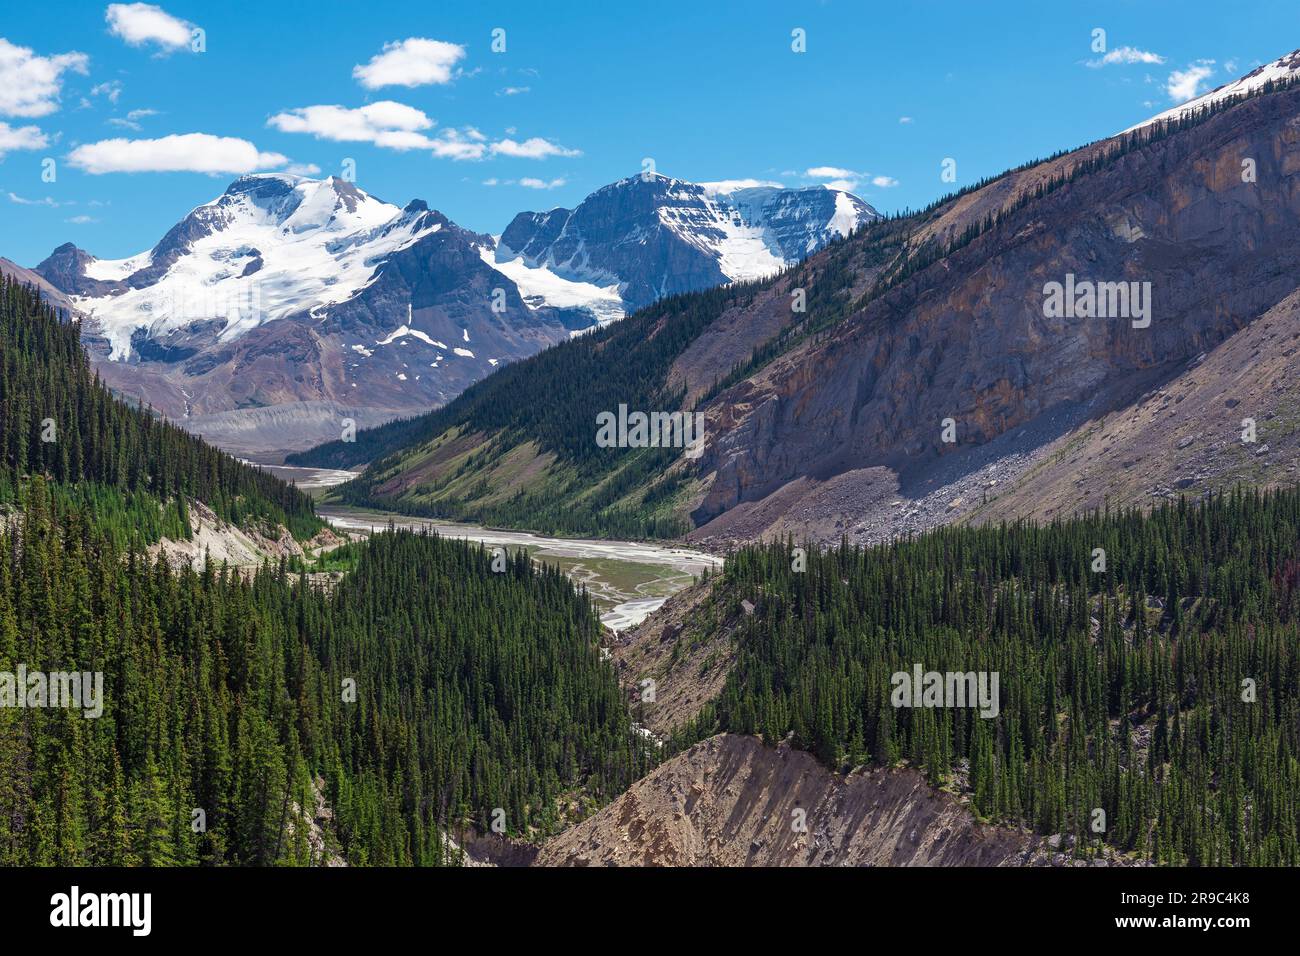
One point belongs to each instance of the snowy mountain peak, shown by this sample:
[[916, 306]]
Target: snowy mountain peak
[[297, 203], [652, 235], [269, 246]]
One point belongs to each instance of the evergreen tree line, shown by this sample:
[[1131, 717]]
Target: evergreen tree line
[[57, 419], [1163, 691]]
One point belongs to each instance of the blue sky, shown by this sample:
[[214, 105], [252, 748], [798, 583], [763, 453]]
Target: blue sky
[[583, 91]]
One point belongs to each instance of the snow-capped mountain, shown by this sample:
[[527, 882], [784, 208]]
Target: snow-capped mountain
[[645, 237], [270, 246], [265, 316]]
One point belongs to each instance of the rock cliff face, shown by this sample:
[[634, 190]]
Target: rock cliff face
[[1190, 436], [968, 339], [731, 801]]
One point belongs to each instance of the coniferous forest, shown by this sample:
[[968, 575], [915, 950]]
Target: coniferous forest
[[58, 420], [1163, 690], [429, 691], [426, 691]]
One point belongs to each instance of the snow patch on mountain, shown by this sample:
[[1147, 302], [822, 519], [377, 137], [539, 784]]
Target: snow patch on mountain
[[404, 330], [541, 286]]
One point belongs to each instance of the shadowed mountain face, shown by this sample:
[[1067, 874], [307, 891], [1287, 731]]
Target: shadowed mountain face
[[939, 356]]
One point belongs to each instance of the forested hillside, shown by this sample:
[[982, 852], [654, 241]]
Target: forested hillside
[[58, 420], [1163, 690], [427, 691], [623, 362]]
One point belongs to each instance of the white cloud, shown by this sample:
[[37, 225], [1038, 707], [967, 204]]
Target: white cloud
[[21, 201], [453, 144], [81, 220], [1184, 85], [1125, 55], [905, 120], [513, 90], [20, 137], [528, 182], [386, 124], [30, 84], [416, 61], [132, 119], [837, 177], [186, 152], [112, 89], [302, 169], [829, 172], [535, 148], [140, 23]]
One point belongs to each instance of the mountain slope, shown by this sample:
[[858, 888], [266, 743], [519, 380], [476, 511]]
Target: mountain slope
[[939, 316], [1186, 437], [59, 423], [503, 453], [52, 295]]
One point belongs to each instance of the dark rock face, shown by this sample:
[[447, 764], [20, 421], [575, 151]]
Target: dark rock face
[[618, 232], [451, 291], [65, 269], [531, 234], [968, 339]]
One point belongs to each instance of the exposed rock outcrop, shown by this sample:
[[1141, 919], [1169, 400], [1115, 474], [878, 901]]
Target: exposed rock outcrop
[[731, 801]]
